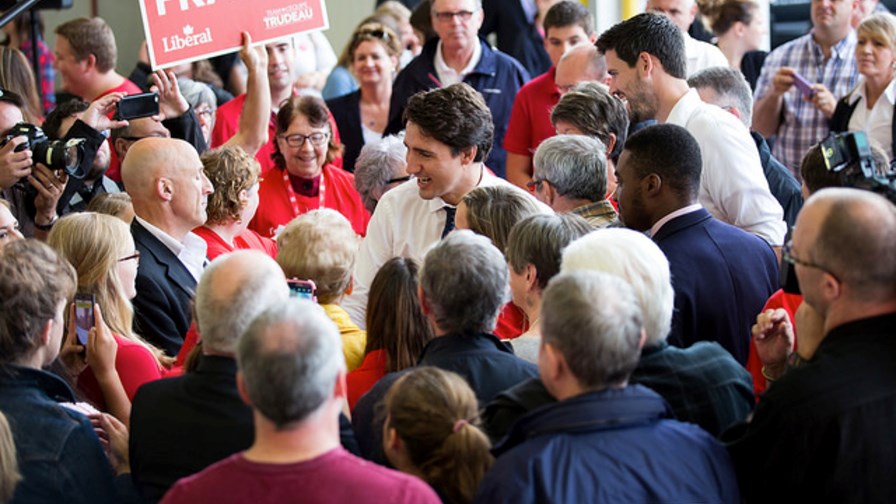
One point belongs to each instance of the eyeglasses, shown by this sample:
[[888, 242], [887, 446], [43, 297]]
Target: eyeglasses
[[297, 140], [533, 185], [207, 112], [447, 17], [787, 255], [135, 256], [398, 180]]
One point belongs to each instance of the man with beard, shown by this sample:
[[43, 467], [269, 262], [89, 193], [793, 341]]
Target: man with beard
[[647, 66]]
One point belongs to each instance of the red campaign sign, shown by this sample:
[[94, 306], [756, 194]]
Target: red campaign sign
[[180, 31]]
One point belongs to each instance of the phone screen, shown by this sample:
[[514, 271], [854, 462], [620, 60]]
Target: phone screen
[[84, 317], [302, 289]]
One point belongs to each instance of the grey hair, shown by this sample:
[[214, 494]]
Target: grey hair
[[465, 282], [730, 89], [576, 165], [378, 163], [290, 358], [539, 240], [636, 259], [196, 92], [233, 290], [594, 320]]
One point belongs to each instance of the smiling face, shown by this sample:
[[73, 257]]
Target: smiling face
[[372, 64], [280, 65], [461, 30], [438, 173], [628, 84], [874, 57], [308, 159], [70, 70]]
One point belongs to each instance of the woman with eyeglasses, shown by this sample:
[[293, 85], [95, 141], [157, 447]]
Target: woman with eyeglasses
[[361, 116], [303, 177], [116, 361]]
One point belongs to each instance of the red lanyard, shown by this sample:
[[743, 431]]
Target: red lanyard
[[292, 194]]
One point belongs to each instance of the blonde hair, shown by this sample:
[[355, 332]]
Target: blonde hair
[[880, 27], [320, 246], [9, 466], [435, 414], [93, 243], [114, 204]]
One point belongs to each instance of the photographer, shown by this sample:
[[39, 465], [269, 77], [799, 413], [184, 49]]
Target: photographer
[[38, 204]]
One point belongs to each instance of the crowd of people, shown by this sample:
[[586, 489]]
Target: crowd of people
[[652, 264]]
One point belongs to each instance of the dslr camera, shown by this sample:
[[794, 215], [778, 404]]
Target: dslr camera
[[54, 154]]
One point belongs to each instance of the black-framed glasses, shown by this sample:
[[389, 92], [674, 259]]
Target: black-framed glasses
[[787, 255], [398, 180], [135, 256], [296, 140], [533, 185], [447, 17]]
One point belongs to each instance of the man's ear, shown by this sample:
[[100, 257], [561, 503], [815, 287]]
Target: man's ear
[[611, 143], [652, 183], [551, 364], [467, 156], [644, 64], [89, 62], [241, 388], [164, 188], [592, 38]]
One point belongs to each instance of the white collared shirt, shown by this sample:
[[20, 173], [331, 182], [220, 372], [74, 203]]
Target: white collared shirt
[[677, 213], [877, 122], [733, 187], [701, 55], [191, 253], [447, 75], [405, 225]]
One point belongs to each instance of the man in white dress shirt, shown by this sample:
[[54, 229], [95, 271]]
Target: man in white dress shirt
[[449, 135], [646, 63]]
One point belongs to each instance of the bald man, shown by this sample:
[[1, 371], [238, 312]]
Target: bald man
[[824, 430], [169, 191], [579, 64]]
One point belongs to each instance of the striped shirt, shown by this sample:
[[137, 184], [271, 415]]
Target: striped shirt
[[803, 125]]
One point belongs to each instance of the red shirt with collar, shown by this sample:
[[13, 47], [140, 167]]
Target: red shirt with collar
[[530, 118]]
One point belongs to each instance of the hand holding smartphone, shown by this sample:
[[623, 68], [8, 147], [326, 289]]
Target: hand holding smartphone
[[136, 106], [803, 85], [84, 316]]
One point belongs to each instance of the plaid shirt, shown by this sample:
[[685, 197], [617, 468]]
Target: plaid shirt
[[599, 214], [803, 125]]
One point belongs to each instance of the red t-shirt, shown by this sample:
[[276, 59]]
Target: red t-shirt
[[227, 123], [335, 476], [247, 240], [135, 364], [340, 194], [530, 118], [365, 376], [780, 299], [114, 171]]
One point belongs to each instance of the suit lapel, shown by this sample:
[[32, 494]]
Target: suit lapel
[[163, 258]]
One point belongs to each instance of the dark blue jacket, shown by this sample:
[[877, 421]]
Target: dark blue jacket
[[487, 364], [346, 112], [722, 277], [515, 35], [59, 454], [497, 77], [616, 445], [781, 182]]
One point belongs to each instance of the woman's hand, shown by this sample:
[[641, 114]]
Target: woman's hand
[[101, 347]]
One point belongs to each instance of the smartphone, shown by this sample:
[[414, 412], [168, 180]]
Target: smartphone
[[304, 289], [84, 317], [136, 106], [803, 85]]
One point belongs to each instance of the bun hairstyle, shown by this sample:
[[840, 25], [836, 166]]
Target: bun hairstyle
[[435, 414], [722, 14]]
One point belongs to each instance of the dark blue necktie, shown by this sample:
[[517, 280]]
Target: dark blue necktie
[[449, 220]]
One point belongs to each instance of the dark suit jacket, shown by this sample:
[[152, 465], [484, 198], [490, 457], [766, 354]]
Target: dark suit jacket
[[515, 35], [165, 290], [722, 277], [346, 112]]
